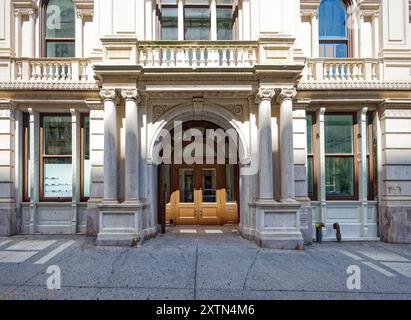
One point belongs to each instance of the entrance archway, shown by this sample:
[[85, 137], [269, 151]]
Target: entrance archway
[[204, 191]]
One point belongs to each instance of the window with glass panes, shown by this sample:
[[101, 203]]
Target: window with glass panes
[[197, 19], [334, 34], [311, 159], [58, 25], [55, 157], [85, 157], [341, 178]]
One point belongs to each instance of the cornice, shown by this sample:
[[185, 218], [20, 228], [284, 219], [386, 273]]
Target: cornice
[[31, 85], [353, 85]]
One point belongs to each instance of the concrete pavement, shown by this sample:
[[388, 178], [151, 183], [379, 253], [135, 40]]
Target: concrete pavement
[[200, 263]]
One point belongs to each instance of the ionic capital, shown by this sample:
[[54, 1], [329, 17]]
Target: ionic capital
[[286, 94], [265, 94], [130, 94], [108, 94]]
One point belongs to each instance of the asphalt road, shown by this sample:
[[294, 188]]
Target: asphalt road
[[216, 265]]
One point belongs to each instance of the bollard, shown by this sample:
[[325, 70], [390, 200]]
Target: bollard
[[337, 228]]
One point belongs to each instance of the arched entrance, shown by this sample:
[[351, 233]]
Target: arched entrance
[[199, 190]]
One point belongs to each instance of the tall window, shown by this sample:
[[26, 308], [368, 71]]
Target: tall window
[[85, 157], [371, 159], [26, 157], [334, 36], [58, 23], [55, 157], [197, 20], [340, 151], [311, 138]]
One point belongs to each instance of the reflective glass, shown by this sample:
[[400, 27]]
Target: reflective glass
[[339, 134], [57, 135], [339, 176], [186, 183], [169, 24], [209, 185], [224, 24], [59, 20], [57, 178], [197, 24]]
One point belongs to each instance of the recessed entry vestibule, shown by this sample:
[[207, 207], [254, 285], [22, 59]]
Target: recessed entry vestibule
[[205, 192]]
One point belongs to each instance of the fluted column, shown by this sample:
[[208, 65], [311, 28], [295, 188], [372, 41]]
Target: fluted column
[[110, 145], [132, 158], [265, 147], [285, 99]]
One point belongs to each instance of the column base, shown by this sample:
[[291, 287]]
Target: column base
[[120, 224], [278, 225], [9, 221]]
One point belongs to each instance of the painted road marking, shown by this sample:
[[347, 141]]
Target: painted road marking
[[401, 268], [31, 245], [214, 231], [3, 243], [383, 256], [15, 256], [54, 252], [351, 255], [188, 231], [377, 268]]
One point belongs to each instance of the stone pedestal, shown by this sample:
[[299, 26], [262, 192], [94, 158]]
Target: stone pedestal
[[120, 224], [278, 225]]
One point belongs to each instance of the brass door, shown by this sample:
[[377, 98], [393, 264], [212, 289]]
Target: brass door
[[197, 196]]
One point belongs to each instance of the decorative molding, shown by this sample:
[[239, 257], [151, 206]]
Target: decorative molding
[[40, 85], [265, 94], [108, 94], [130, 94], [354, 85], [286, 94], [94, 104]]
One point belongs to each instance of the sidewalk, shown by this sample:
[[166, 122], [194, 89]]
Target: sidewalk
[[207, 263]]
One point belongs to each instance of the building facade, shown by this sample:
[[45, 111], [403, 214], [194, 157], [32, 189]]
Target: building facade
[[104, 104]]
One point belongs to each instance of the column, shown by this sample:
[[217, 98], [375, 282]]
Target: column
[[32, 31], [285, 99], [320, 151], [79, 34], [75, 162], [131, 145], [363, 181], [213, 17], [180, 19], [265, 147], [361, 41], [17, 28], [34, 168], [376, 35], [315, 40], [110, 145]]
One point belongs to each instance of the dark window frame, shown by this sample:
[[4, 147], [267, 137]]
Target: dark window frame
[[313, 155], [26, 156], [83, 116]]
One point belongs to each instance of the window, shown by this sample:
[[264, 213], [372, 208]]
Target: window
[[169, 23], [85, 157], [340, 150], [58, 33], [197, 19], [26, 157], [311, 168], [371, 159], [55, 158], [334, 36], [196, 23]]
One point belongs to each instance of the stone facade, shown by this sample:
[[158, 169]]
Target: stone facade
[[266, 84]]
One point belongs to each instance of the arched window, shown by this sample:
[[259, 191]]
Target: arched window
[[334, 35], [58, 28]]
